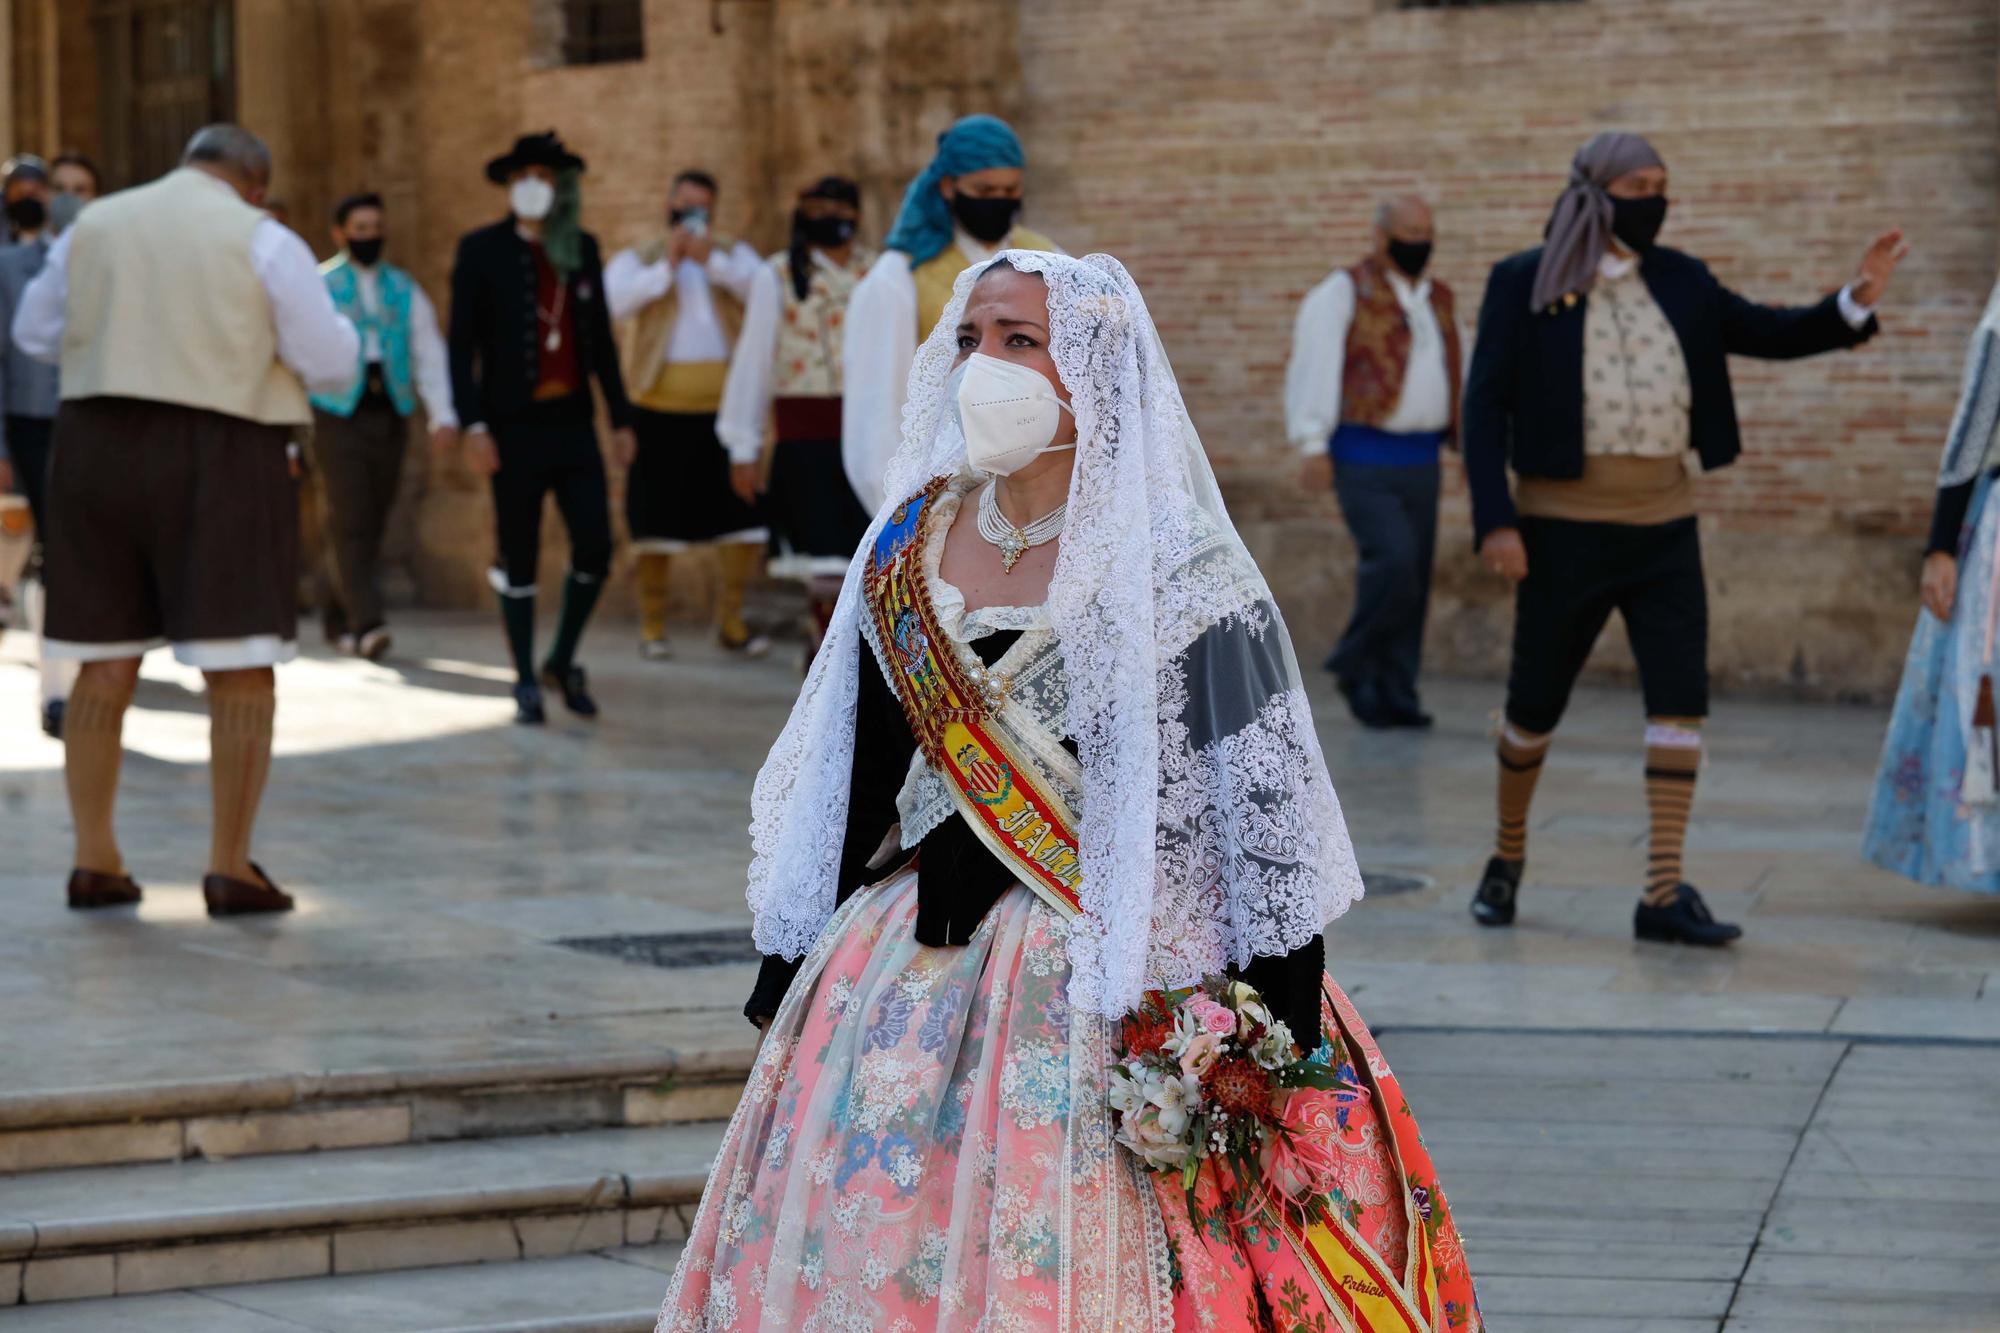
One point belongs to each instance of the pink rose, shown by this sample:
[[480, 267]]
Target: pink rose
[[1200, 1053], [1212, 1017], [1304, 1158]]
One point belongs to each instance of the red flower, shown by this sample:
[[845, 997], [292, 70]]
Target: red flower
[[1146, 1033], [1238, 1086]]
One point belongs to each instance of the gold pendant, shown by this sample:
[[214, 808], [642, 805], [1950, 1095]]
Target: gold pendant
[[1012, 548]]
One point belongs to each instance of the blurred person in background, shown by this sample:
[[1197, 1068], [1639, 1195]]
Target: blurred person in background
[[189, 328], [360, 432], [74, 181], [529, 332], [1935, 816], [961, 210], [786, 376], [29, 389], [680, 299], [24, 184], [1371, 397], [1600, 372]]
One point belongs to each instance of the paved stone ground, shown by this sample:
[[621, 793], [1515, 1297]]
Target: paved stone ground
[[1795, 1133]]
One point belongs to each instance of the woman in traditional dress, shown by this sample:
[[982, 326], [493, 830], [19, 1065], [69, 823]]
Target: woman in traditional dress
[[1053, 756], [1934, 817]]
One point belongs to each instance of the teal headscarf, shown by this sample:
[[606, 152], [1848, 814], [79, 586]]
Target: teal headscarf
[[976, 143], [562, 229]]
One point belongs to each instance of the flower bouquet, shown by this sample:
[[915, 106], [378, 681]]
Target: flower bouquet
[[1211, 1074]]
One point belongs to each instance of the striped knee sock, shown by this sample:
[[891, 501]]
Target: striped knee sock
[[1521, 755], [1673, 757]]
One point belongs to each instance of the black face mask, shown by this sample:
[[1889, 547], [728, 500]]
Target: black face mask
[[366, 253], [27, 214], [1636, 222], [987, 220], [826, 232], [1410, 256]]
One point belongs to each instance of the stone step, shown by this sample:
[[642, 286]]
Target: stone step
[[612, 1291], [55, 1129], [121, 1230]]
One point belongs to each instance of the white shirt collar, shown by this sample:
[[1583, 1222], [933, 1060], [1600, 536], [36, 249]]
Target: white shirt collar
[[1614, 266], [975, 249], [1409, 293]]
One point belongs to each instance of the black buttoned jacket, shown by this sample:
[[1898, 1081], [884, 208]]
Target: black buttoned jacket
[[496, 337], [1524, 396]]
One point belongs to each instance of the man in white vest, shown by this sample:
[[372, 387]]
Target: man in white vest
[[189, 326]]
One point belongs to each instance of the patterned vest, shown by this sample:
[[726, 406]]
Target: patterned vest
[[811, 330], [935, 276], [646, 333], [1378, 348], [391, 325]]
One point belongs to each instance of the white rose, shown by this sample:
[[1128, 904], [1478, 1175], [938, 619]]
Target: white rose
[[1249, 1015], [1276, 1048]]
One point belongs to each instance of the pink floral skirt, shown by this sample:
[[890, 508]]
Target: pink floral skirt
[[925, 1143]]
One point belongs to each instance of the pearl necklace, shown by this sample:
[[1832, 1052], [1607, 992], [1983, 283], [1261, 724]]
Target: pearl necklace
[[1015, 542]]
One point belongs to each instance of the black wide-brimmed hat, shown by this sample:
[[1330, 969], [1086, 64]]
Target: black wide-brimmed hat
[[533, 150]]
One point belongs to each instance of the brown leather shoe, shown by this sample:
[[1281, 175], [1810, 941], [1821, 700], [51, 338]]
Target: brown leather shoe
[[236, 897], [92, 889]]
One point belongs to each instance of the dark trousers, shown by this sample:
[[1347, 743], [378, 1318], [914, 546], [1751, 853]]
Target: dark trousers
[[1578, 574], [1392, 513], [28, 441], [360, 464], [553, 452]]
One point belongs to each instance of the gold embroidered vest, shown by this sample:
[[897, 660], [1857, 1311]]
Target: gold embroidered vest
[[935, 275], [644, 335]]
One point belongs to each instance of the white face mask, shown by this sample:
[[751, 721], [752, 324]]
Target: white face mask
[[531, 198], [1010, 414]]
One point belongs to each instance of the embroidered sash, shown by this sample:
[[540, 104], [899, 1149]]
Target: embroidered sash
[[953, 709], [1434, 1294]]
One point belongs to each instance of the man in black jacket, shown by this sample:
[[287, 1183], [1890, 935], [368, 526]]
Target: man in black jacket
[[529, 330], [1601, 362]]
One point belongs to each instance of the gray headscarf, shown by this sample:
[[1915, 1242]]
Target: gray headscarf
[[1580, 227]]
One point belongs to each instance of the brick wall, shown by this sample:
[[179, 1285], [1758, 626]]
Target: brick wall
[[1231, 154]]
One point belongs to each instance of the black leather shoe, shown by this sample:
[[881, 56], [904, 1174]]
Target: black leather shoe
[[1367, 709], [92, 889], [1411, 719], [574, 687], [528, 709], [224, 896], [1685, 920], [1493, 901]]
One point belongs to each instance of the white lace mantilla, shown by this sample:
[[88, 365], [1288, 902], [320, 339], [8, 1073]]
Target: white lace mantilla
[[1209, 829]]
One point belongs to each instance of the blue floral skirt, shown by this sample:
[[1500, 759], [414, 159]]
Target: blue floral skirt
[[1917, 824]]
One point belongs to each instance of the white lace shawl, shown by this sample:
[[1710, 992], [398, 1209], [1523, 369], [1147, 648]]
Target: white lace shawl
[[1210, 832]]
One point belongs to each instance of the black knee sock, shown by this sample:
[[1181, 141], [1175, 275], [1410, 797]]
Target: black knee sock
[[579, 599], [517, 614]]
